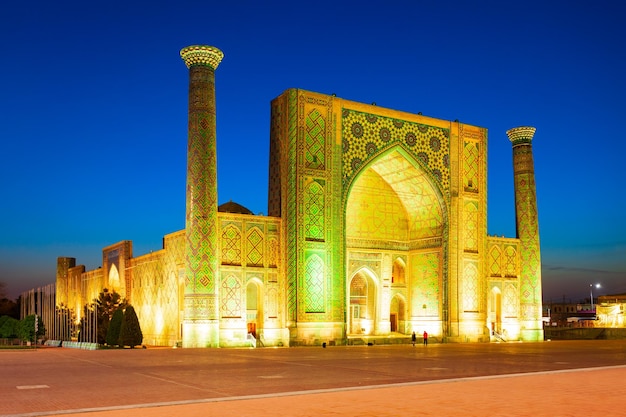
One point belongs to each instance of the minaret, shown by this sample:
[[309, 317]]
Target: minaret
[[527, 226], [201, 320]]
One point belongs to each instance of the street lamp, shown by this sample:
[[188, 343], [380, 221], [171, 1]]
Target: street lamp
[[591, 289]]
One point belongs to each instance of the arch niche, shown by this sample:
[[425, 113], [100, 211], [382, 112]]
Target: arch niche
[[363, 301], [397, 314], [495, 311], [115, 283], [394, 207], [254, 307]]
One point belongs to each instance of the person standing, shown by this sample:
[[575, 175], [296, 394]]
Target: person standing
[[425, 338], [413, 338]]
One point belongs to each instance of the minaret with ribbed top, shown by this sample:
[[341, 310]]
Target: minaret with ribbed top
[[527, 226], [201, 306]]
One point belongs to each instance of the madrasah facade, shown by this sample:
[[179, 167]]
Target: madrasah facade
[[376, 227]]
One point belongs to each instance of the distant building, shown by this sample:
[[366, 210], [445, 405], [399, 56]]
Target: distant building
[[570, 314], [376, 227], [610, 310]]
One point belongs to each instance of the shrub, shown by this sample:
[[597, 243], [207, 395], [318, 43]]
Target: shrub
[[115, 326], [130, 333], [107, 303]]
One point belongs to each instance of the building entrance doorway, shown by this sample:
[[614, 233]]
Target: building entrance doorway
[[362, 304], [254, 308]]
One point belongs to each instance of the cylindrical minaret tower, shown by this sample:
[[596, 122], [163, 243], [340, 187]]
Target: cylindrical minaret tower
[[201, 321], [527, 226]]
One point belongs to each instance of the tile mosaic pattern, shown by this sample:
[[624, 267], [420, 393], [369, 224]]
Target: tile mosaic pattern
[[365, 136], [201, 219], [314, 284], [314, 211], [315, 129]]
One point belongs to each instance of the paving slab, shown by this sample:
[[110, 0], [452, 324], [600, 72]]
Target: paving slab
[[547, 378]]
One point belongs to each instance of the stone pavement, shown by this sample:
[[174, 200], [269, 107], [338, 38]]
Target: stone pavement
[[514, 379]]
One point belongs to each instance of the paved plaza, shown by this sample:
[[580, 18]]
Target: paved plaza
[[508, 379]]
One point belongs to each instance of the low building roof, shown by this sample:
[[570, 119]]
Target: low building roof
[[232, 207]]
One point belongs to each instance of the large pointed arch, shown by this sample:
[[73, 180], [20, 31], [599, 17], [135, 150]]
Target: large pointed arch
[[395, 206], [411, 196], [115, 282]]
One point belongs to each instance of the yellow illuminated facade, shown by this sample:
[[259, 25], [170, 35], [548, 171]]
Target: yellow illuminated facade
[[376, 227]]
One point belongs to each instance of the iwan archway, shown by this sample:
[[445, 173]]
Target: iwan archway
[[395, 246]]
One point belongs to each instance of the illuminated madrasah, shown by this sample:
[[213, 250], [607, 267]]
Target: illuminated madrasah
[[376, 227]]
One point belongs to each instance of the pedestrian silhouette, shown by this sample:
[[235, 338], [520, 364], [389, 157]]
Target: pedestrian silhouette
[[425, 338], [413, 338]]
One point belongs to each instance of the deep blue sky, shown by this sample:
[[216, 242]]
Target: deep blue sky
[[93, 113]]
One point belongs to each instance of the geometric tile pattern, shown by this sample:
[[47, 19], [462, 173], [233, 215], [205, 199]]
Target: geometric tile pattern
[[156, 280], [425, 282], [510, 261], [471, 225], [358, 302], [274, 180], [231, 246], [365, 136], [385, 205], [201, 218], [503, 258], [231, 297], [314, 284], [358, 289], [314, 211], [374, 210], [527, 224], [314, 155], [511, 301], [272, 302], [274, 253], [527, 229], [470, 166], [290, 214], [255, 244], [470, 288], [495, 261]]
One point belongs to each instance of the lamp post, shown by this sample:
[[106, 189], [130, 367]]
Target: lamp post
[[591, 289]]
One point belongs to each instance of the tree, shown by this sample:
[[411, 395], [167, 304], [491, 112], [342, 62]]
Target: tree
[[8, 327], [130, 333], [115, 326], [106, 304], [26, 328], [8, 307]]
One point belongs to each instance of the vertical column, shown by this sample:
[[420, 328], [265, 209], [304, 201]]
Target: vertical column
[[527, 226], [201, 320]]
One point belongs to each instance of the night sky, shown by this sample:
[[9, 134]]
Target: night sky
[[93, 114]]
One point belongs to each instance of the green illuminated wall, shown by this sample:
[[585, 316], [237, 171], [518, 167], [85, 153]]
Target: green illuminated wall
[[305, 184], [362, 190]]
